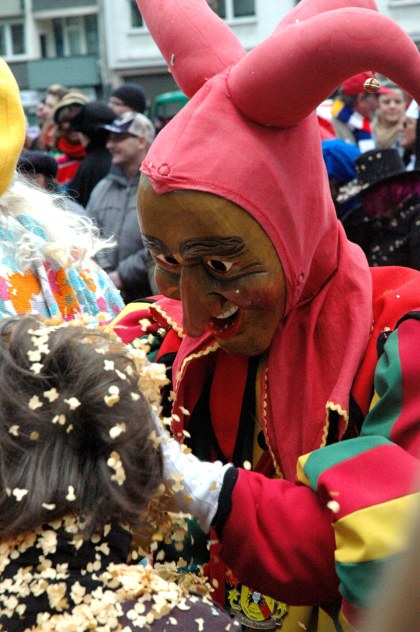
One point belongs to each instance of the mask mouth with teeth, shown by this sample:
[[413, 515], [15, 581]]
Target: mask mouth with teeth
[[249, 135]]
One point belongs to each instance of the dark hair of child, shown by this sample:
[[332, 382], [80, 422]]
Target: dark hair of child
[[74, 429]]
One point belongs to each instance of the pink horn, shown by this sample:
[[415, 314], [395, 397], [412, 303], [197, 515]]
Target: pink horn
[[195, 43], [343, 42], [307, 9]]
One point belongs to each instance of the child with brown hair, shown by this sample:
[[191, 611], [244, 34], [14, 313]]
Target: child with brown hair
[[78, 469]]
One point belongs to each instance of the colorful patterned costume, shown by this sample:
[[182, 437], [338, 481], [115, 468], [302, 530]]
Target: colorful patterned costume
[[48, 288], [354, 529]]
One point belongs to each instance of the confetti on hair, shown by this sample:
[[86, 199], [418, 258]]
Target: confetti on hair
[[115, 463], [135, 396], [34, 355], [49, 506], [34, 436], [36, 368], [70, 494], [19, 493], [14, 430], [72, 403], [109, 365], [51, 395], [69, 428], [113, 397], [60, 419], [34, 402], [115, 431]]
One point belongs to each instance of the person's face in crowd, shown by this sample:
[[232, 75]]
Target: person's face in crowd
[[51, 101], [219, 262], [126, 150], [366, 104], [391, 106], [41, 113], [408, 131], [65, 117], [118, 106]]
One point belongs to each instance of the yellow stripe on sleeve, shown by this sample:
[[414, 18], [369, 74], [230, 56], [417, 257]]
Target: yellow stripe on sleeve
[[375, 532]]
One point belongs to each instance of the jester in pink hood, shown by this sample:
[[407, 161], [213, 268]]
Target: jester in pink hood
[[257, 272]]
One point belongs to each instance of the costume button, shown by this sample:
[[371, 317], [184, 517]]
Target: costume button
[[164, 170]]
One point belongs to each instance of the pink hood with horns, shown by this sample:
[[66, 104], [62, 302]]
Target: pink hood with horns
[[250, 134]]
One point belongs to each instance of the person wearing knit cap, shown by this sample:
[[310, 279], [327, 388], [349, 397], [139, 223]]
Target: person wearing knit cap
[[339, 158], [89, 122], [46, 254], [69, 151], [294, 365], [127, 98]]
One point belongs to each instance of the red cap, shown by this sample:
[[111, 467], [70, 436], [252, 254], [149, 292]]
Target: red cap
[[354, 85]]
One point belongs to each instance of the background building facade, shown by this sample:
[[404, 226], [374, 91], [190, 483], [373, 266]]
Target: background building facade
[[95, 45]]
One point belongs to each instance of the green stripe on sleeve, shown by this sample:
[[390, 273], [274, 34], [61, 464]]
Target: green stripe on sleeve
[[331, 455], [388, 385], [358, 581]]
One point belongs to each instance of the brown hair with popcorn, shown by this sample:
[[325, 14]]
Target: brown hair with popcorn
[[75, 428]]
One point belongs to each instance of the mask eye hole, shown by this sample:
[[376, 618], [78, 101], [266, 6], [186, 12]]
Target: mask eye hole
[[167, 260], [219, 265]]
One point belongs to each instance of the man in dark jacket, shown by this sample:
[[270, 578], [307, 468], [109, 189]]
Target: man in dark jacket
[[113, 205]]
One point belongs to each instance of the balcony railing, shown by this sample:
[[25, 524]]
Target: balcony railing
[[50, 5], [79, 70], [11, 8]]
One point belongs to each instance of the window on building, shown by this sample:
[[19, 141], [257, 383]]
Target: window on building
[[232, 9], [136, 19], [3, 51], [92, 38], [242, 8], [18, 39], [76, 35], [43, 45], [12, 39]]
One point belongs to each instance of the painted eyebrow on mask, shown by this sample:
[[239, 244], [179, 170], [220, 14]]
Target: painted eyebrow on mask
[[205, 246], [200, 247]]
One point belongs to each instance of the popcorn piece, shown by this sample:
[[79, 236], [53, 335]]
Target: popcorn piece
[[115, 431], [51, 395], [333, 506], [36, 368], [113, 397], [34, 402], [61, 419], [19, 493], [73, 403], [70, 494]]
